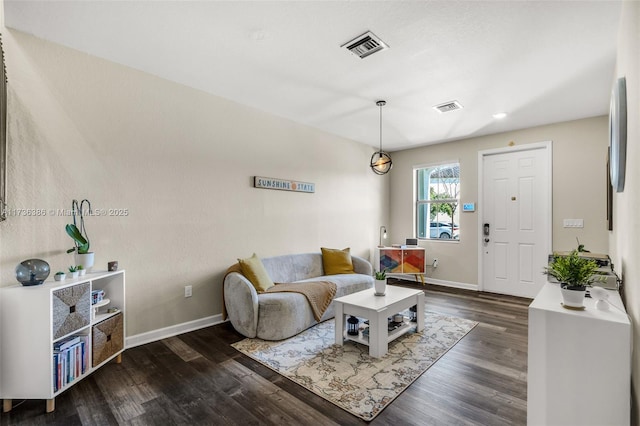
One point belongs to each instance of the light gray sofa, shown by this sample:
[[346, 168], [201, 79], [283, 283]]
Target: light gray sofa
[[277, 316]]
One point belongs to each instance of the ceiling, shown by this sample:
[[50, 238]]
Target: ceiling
[[539, 61]]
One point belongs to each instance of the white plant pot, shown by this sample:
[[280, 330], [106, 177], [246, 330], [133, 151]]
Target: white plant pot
[[573, 298], [60, 277], [81, 272], [73, 275], [381, 287], [86, 260]]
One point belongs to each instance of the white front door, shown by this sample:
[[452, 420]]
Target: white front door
[[515, 216]]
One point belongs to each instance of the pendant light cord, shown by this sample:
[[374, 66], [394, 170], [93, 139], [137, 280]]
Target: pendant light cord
[[381, 104]]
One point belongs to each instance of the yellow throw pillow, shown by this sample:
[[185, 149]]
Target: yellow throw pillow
[[253, 269], [336, 261]]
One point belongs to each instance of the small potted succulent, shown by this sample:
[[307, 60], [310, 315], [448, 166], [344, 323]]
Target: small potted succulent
[[60, 276], [73, 272], [381, 282], [81, 270], [574, 273]]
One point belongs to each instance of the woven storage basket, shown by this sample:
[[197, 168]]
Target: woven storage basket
[[108, 338], [71, 309]]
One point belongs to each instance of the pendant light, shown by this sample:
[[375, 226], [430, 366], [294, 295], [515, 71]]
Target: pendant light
[[380, 161]]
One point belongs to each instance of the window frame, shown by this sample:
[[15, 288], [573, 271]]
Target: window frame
[[428, 202]]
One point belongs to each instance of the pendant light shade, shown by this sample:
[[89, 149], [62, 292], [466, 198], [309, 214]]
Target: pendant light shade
[[381, 161]]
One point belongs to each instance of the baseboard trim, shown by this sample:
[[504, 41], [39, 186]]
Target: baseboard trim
[[173, 330], [444, 283]]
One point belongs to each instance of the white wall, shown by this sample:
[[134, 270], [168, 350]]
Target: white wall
[[181, 162], [579, 191], [625, 238]]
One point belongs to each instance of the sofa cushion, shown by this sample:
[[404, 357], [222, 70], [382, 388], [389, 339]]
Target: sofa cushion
[[254, 270], [336, 261]]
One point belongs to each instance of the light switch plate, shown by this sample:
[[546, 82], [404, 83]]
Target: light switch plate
[[573, 223]]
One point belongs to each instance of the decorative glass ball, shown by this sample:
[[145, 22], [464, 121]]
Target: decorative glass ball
[[32, 272]]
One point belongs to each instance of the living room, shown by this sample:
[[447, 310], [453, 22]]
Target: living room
[[180, 161]]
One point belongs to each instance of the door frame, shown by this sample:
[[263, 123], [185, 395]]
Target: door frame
[[548, 147]]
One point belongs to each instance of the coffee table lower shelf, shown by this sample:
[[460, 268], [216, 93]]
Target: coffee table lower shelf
[[393, 334]]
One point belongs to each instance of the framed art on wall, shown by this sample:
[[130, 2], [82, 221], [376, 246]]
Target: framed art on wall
[[618, 134]]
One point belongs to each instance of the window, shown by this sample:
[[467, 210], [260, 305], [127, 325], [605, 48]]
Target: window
[[437, 200]]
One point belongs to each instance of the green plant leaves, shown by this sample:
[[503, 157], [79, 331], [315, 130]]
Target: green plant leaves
[[82, 244]]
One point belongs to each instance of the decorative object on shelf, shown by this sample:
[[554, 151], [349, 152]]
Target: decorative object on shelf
[[413, 313], [82, 255], [574, 273], [381, 282], [60, 276], [353, 324], [383, 235], [398, 318], [97, 296], [73, 272], [32, 272], [618, 134], [380, 161], [601, 297], [112, 266], [81, 270]]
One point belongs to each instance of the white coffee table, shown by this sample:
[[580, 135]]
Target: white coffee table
[[365, 304]]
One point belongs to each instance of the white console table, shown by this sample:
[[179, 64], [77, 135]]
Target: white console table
[[579, 362]]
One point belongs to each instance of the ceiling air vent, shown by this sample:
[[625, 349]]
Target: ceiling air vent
[[365, 45], [448, 106]]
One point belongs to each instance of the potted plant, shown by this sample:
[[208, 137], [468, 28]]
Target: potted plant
[[60, 276], [73, 271], [574, 273], [82, 255], [381, 282], [81, 270]]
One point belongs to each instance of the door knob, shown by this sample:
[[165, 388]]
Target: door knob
[[486, 240]]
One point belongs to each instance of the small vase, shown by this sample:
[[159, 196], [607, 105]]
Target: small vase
[[85, 259], [381, 287], [573, 296]]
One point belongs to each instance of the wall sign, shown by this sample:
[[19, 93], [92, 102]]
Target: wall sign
[[283, 184], [469, 207]]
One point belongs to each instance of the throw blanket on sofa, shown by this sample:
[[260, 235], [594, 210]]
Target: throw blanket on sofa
[[318, 293]]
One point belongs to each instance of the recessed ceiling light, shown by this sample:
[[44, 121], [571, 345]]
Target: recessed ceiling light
[[499, 115]]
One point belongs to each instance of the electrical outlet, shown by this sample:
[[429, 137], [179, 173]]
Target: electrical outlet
[[187, 291], [435, 263]]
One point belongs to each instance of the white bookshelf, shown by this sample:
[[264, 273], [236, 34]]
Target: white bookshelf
[[34, 318]]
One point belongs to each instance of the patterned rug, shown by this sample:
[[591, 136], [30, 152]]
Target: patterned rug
[[346, 375]]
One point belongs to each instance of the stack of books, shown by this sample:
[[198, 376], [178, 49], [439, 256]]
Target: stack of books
[[70, 360]]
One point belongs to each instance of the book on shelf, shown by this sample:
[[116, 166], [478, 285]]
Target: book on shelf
[[70, 360], [66, 343]]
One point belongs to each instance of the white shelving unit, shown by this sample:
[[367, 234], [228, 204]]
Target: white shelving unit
[[579, 368], [33, 319]]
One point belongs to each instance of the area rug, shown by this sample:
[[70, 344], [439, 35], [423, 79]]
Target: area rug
[[346, 375]]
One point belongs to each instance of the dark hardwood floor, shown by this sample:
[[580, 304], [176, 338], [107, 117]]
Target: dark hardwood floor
[[197, 378]]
